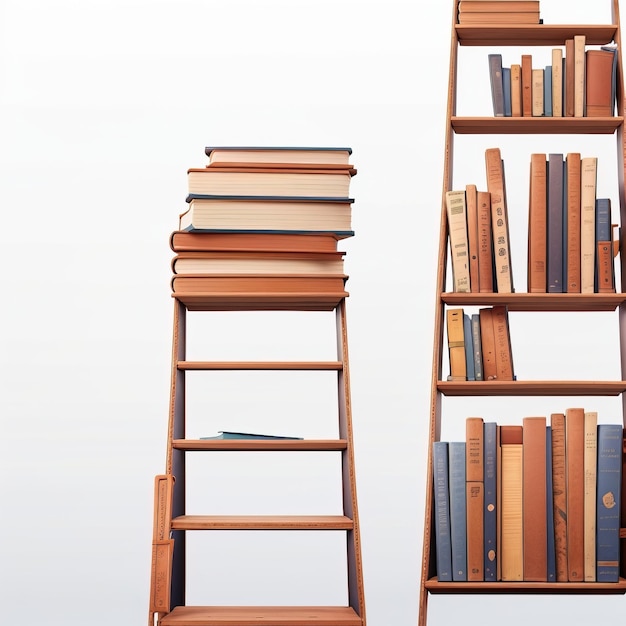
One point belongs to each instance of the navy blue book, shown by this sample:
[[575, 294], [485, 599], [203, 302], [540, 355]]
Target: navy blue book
[[506, 89], [490, 430], [443, 541], [608, 503], [469, 347], [458, 509], [550, 508], [547, 91]]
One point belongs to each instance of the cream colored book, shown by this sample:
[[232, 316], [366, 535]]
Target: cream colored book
[[456, 210], [557, 82], [512, 485], [588, 176], [537, 92], [591, 448], [579, 75]]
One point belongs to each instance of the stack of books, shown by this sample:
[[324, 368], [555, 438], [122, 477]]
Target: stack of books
[[262, 228], [510, 12]]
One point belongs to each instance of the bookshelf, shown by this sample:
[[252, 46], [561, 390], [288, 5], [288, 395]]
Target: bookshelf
[[494, 38]]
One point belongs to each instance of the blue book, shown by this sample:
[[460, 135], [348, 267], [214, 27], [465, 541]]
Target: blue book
[[506, 89], [490, 447], [478, 352], [443, 541], [229, 434], [547, 91], [497, 86], [469, 347], [608, 502], [550, 508], [458, 509]]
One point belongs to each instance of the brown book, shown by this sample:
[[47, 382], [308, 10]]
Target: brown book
[[537, 224], [488, 6], [291, 157], [511, 498], [471, 200], [537, 92], [254, 284], [456, 211], [488, 344], [456, 344], [588, 182], [534, 499], [579, 75], [501, 17], [573, 165], [183, 241], [557, 82], [591, 457], [504, 356], [162, 545], [496, 186], [600, 83], [485, 243], [575, 473], [516, 90], [252, 262], [606, 277], [559, 495], [527, 85], [474, 446], [475, 494], [568, 78]]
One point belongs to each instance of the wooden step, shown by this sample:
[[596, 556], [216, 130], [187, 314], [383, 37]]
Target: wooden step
[[316, 445], [260, 365], [253, 615], [262, 522]]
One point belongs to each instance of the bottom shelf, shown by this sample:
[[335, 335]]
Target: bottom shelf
[[271, 615], [434, 586]]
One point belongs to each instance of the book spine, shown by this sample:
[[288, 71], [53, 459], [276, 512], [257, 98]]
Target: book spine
[[604, 280], [516, 90], [504, 356], [497, 87], [575, 474], [537, 93], [527, 82], [475, 531], [456, 210], [456, 344], [506, 90], [600, 83], [491, 501], [488, 343], [590, 460], [469, 347], [551, 560], [555, 223], [458, 509], [477, 343], [573, 161], [471, 199], [537, 224], [557, 82], [568, 78], [579, 75], [547, 91], [588, 175], [443, 542], [485, 243], [559, 494]]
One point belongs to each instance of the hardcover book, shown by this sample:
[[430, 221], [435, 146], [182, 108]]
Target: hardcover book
[[458, 509], [497, 84], [551, 558], [572, 265], [588, 182], [276, 156], [456, 210], [575, 477], [557, 82], [604, 281], [485, 243], [590, 469], [527, 85], [443, 540], [469, 347], [559, 494], [537, 224], [455, 327], [599, 86], [491, 436], [474, 476], [471, 201], [555, 223], [488, 344], [477, 344]]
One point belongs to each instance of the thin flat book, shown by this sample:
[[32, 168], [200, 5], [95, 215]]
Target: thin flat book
[[229, 434], [277, 156]]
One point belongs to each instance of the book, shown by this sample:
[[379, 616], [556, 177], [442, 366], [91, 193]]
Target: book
[[495, 79], [506, 89], [557, 82], [535, 530], [589, 503], [500, 17], [537, 92], [185, 241], [276, 156], [547, 91], [555, 223], [443, 539], [511, 494], [572, 196], [456, 211], [568, 78], [234, 262], [502, 340], [474, 449], [599, 85], [579, 75], [622, 552], [588, 175], [537, 224], [477, 344], [458, 509], [491, 435], [613, 50], [559, 494], [575, 487], [488, 343], [269, 181], [516, 90], [485, 243], [551, 553], [488, 6], [471, 201], [268, 215], [609, 489], [527, 82], [474, 476], [496, 186], [604, 275], [229, 434], [456, 344], [469, 347]]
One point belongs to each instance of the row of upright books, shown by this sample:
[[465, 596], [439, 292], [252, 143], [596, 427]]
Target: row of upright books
[[501, 12], [578, 82], [262, 228], [571, 242], [537, 501]]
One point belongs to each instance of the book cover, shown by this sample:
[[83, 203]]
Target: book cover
[[527, 85], [590, 461], [609, 489], [491, 501], [456, 211], [502, 337], [485, 243], [557, 82], [573, 165], [474, 449], [443, 540], [516, 90], [588, 181], [471, 200], [455, 327], [477, 343], [506, 89], [604, 278], [534, 499], [487, 6], [475, 531], [575, 477], [559, 494], [497, 86], [568, 78], [599, 86], [537, 224], [458, 509], [501, 17], [555, 223], [230, 434], [551, 558]]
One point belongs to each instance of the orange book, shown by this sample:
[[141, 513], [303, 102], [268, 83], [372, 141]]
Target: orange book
[[600, 85], [474, 446], [502, 17], [527, 85], [456, 344], [573, 165], [516, 90], [575, 473], [568, 108], [537, 224], [559, 494], [485, 243], [488, 344], [504, 356], [534, 498], [471, 200], [606, 278], [557, 82], [271, 156], [474, 476]]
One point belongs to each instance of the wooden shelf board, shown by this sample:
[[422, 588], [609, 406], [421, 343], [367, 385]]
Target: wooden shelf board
[[532, 388], [532, 34], [261, 301], [434, 586], [259, 365], [536, 125], [539, 301], [260, 444], [253, 615], [262, 522]]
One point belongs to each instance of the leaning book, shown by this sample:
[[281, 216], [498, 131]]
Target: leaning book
[[229, 434]]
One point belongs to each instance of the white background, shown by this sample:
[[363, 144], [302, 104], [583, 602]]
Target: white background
[[104, 106]]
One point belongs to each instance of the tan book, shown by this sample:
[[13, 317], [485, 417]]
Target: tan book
[[537, 93], [527, 83], [534, 499], [471, 199], [456, 344], [504, 355], [537, 224], [575, 474], [588, 178], [475, 494], [591, 450], [489, 6], [488, 344], [579, 75], [456, 211], [557, 82], [511, 498], [559, 494], [253, 284], [568, 79], [499, 220], [485, 242], [291, 157], [606, 276], [501, 17], [599, 83], [516, 90], [474, 446], [573, 169]]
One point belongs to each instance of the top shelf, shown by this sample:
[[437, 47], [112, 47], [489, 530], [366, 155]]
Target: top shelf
[[533, 34]]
